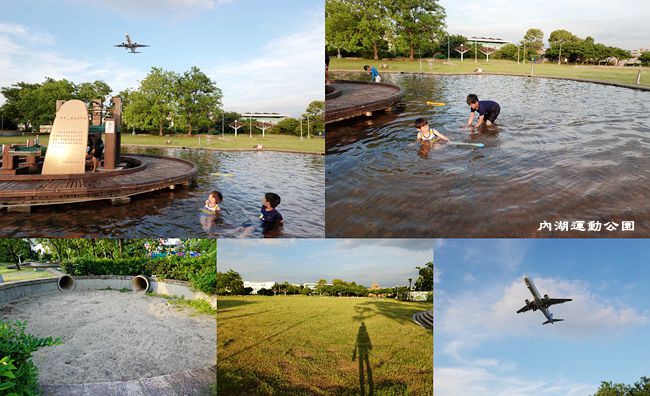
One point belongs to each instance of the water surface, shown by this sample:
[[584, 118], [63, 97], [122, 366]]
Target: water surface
[[563, 151]]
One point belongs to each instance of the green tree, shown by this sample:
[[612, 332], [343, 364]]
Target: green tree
[[14, 250], [372, 23], [88, 91], [288, 126], [425, 278], [417, 24], [316, 113], [152, 104], [40, 103], [562, 35], [341, 26], [508, 51], [533, 40], [640, 388], [229, 283], [645, 58], [17, 106], [198, 99]]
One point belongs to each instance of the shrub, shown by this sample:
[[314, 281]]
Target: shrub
[[16, 349], [102, 266], [201, 272]]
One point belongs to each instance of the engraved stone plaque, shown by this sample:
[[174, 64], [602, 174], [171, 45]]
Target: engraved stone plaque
[[66, 150]]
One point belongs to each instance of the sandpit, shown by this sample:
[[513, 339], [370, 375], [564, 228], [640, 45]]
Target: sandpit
[[110, 335]]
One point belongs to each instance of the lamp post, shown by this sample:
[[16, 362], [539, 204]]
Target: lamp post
[[559, 58]]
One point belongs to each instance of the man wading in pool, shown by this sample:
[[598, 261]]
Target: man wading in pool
[[488, 111]]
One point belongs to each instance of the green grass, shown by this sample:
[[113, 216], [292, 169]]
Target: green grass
[[12, 275], [230, 142], [615, 74], [199, 306], [302, 345]]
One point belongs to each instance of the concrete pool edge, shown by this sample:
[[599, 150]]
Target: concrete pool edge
[[227, 150], [586, 80], [190, 382], [13, 291]]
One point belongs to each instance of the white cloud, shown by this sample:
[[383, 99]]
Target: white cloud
[[175, 10], [284, 77], [467, 380], [406, 244]]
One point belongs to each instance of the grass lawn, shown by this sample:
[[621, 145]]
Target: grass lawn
[[615, 74], [12, 275], [230, 142], [302, 345]]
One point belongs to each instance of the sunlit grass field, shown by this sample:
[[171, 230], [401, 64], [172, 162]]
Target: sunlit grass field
[[614, 74], [299, 345], [13, 275], [291, 143]]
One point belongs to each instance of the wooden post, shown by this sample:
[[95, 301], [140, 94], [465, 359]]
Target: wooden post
[[112, 136]]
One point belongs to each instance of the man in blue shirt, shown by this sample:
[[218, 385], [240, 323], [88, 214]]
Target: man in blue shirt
[[488, 110], [373, 73]]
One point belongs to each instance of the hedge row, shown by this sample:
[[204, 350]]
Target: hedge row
[[201, 272]]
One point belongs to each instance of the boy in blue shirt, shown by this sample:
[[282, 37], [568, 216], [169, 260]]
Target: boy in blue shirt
[[271, 218], [373, 73], [488, 111]]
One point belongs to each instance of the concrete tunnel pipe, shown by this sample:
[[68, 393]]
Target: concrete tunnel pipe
[[140, 283], [66, 283]]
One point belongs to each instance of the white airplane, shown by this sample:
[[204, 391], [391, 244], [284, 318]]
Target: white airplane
[[131, 46], [541, 303]]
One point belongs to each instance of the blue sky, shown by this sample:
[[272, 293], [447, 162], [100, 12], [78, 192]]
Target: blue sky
[[621, 23], [265, 56], [389, 262], [482, 346]]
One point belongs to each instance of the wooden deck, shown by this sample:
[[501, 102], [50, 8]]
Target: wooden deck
[[146, 173], [347, 99]]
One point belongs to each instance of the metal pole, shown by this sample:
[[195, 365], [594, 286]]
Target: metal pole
[[475, 52], [524, 58], [300, 128], [517, 54], [250, 123], [308, 136]]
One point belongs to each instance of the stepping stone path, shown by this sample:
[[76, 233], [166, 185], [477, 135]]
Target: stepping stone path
[[195, 382], [424, 319]]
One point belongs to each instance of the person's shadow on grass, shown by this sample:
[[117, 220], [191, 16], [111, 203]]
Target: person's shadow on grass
[[362, 348]]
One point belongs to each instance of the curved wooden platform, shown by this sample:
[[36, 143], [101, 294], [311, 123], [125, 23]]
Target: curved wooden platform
[[348, 99], [145, 173]]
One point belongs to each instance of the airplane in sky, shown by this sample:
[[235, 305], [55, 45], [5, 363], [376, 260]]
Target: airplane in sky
[[131, 46], [541, 303]]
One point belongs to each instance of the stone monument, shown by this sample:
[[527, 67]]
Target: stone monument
[[66, 150]]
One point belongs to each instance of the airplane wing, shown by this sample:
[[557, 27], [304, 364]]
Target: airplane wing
[[526, 308], [553, 301], [140, 45], [120, 45]]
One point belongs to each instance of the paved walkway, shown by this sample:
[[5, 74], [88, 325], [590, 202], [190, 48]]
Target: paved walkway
[[195, 382]]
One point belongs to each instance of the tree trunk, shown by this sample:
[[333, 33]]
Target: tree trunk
[[375, 50], [160, 132], [338, 53], [189, 123], [121, 245], [411, 53]]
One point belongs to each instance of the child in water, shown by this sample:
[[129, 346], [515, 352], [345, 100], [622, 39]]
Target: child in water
[[213, 201], [488, 111], [426, 134], [271, 218]]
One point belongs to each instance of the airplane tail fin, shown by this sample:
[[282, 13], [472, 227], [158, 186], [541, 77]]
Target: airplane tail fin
[[552, 321]]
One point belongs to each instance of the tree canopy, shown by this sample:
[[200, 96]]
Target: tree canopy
[[639, 388]]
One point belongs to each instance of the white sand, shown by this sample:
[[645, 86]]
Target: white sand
[[114, 336]]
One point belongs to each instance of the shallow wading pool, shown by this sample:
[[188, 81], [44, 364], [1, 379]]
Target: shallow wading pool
[[242, 177], [563, 151]]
